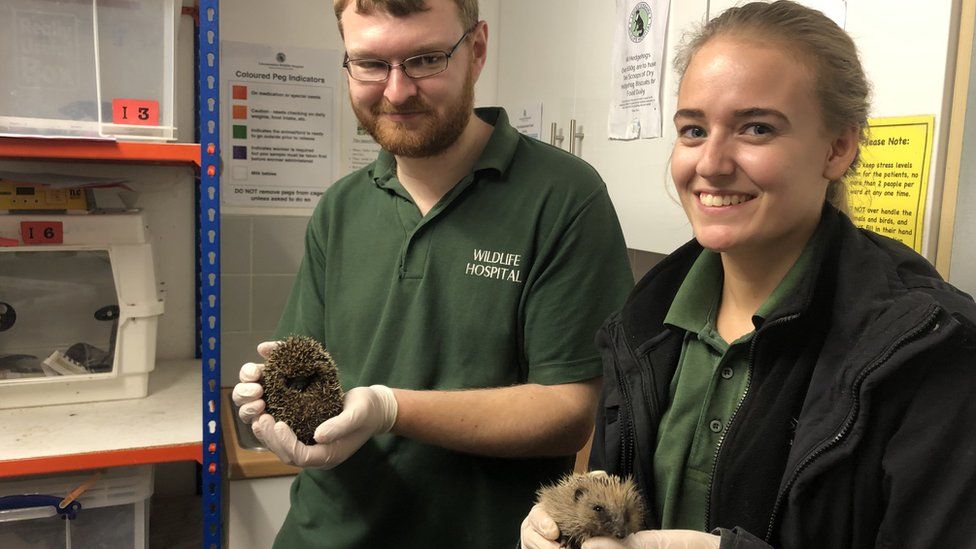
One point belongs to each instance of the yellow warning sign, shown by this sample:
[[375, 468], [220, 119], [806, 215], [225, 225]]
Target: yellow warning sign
[[887, 194]]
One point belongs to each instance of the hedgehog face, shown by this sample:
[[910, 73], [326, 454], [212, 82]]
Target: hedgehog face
[[608, 514], [586, 506], [300, 383]]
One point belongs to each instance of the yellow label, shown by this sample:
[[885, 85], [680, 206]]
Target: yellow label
[[887, 194], [20, 196]]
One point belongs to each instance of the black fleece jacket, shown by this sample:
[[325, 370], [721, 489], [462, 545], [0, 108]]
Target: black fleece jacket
[[856, 429]]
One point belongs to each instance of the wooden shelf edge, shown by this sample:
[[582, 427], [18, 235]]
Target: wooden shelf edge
[[96, 460], [26, 148], [241, 463]]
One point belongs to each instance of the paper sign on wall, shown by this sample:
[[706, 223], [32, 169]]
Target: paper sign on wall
[[278, 124], [638, 52], [527, 119], [887, 194]]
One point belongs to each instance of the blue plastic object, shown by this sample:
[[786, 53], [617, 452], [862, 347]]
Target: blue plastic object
[[31, 501]]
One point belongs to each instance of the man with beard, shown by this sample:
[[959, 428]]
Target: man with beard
[[458, 282]]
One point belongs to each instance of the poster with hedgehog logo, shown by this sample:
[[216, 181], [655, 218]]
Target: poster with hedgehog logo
[[637, 61]]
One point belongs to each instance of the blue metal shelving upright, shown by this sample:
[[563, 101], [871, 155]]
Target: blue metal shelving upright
[[208, 98]]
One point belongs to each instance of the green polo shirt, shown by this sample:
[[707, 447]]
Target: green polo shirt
[[710, 380], [504, 281]]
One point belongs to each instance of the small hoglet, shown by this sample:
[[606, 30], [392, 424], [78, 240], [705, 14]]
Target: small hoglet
[[591, 505], [301, 386]]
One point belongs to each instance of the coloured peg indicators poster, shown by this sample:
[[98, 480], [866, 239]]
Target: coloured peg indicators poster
[[887, 194], [279, 125]]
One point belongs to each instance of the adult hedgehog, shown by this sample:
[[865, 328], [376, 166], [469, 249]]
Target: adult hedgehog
[[301, 386]]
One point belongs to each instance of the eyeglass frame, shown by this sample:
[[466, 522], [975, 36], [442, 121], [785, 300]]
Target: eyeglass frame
[[402, 64]]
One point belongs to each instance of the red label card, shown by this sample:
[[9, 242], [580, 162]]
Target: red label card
[[136, 112], [42, 232]]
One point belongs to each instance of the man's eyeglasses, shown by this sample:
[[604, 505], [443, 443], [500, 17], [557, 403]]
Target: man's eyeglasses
[[417, 66]]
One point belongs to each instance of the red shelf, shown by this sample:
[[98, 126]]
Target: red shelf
[[98, 460], [25, 148]]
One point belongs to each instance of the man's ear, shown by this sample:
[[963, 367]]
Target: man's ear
[[479, 46], [843, 150]]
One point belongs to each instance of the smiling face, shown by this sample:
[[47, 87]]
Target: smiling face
[[752, 159], [414, 117]]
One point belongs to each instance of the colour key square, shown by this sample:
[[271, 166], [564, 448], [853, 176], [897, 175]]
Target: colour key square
[[240, 112], [240, 153], [239, 92], [240, 132]]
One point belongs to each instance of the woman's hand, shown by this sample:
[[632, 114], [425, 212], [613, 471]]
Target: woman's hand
[[538, 530], [656, 539]]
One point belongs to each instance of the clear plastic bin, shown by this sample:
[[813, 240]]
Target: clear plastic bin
[[113, 513], [85, 68]]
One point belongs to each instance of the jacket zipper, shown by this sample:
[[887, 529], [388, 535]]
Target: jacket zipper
[[851, 416], [627, 433], [742, 399]]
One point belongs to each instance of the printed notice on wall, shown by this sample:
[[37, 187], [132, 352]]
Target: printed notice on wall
[[527, 119], [887, 194], [636, 65], [278, 124]]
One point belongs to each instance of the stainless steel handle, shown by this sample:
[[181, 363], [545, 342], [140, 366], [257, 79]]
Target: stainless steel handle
[[576, 143], [572, 136], [578, 137], [556, 137]]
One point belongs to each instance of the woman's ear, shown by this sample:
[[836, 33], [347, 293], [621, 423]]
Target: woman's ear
[[843, 150]]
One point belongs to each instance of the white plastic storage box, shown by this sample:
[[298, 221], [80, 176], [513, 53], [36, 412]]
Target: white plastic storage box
[[88, 68], [77, 319], [113, 513]]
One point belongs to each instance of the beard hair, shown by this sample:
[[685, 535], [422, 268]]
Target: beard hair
[[435, 134]]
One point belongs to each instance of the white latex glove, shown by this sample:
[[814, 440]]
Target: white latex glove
[[366, 411], [538, 530], [658, 539], [247, 394]]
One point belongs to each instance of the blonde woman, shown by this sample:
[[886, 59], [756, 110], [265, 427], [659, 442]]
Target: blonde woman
[[785, 379]]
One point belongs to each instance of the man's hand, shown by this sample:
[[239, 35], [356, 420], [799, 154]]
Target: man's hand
[[658, 539], [538, 530], [366, 411], [247, 394]]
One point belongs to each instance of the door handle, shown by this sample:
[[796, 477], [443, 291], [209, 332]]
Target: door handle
[[556, 136], [576, 139]]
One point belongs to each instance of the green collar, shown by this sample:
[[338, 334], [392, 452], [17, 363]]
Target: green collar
[[695, 306]]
